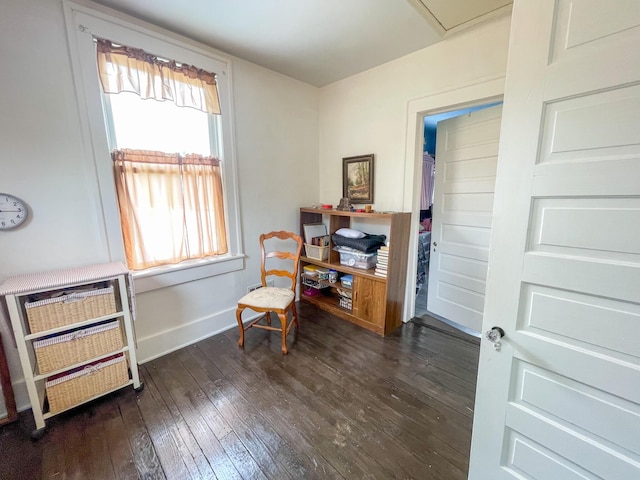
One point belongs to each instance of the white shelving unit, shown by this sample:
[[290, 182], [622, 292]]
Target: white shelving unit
[[17, 292]]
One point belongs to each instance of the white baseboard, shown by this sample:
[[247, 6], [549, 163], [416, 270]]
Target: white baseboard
[[170, 340], [159, 344]]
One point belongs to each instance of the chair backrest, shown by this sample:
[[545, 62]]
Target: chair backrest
[[292, 274]]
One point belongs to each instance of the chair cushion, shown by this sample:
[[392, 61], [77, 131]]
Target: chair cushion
[[268, 297]]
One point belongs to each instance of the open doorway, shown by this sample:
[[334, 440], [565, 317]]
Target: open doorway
[[480, 93], [428, 196]]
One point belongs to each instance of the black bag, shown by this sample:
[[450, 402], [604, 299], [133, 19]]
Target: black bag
[[366, 244]]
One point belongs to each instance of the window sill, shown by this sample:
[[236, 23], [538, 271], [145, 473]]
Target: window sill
[[162, 277]]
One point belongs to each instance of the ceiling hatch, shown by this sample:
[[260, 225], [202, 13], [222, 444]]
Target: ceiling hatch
[[451, 16]]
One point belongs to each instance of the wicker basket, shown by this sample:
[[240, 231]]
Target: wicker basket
[[70, 308], [317, 253], [61, 351], [84, 383]]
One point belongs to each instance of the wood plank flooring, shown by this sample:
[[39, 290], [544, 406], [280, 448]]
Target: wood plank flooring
[[344, 404]]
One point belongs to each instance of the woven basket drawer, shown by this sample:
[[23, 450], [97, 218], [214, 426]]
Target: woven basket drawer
[[70, 348], [73, 388], [70, 308]]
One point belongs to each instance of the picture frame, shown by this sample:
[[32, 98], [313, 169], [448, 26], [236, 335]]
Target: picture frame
[[357, 179]]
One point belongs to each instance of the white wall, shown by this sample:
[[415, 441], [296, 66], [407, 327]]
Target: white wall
[[367, 113], [279, 138], [276, 124]]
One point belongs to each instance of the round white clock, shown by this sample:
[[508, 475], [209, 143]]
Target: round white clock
[[13, 211]]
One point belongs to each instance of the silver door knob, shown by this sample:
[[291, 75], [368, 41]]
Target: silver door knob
[[494, 335]]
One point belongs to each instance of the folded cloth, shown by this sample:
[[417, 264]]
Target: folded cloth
[[366, 244]]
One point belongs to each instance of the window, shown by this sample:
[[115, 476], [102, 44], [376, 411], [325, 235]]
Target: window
[[171, 204], [152, 125], [196, 142]]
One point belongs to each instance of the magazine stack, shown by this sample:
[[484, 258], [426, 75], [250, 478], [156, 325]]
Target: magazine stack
[[383, 261]]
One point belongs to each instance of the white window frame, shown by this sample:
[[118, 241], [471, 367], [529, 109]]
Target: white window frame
[[214, 127], [83, 24]]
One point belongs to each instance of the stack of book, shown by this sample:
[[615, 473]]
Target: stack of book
[[383, 261]]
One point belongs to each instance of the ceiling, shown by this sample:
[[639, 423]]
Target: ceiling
[[315, 41]]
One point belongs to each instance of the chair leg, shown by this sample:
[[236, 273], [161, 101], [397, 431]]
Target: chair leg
[[283, 321], [240, 326], [295, 315]]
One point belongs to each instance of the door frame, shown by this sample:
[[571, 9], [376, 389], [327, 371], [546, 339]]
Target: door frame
[[487, 90]]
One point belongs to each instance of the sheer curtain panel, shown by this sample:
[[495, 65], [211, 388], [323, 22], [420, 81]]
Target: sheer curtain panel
[[171, 207]]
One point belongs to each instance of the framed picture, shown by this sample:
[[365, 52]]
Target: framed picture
[[357, 178]]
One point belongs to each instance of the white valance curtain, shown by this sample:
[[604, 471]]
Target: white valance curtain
[[127, 69], [428, 181]]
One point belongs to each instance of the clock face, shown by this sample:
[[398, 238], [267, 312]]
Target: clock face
[[12, 211]]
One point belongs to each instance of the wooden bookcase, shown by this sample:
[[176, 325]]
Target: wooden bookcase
[[377, 302]]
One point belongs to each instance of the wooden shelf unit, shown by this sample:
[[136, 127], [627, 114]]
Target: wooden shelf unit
[[17, 290], [377, 302]]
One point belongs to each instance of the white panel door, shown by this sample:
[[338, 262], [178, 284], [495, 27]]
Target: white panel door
[[466, 159], [560, 398]]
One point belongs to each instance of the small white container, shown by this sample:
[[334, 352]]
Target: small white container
[[323, 273]]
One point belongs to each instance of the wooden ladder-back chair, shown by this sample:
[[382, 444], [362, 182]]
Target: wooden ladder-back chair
[[273, 299]]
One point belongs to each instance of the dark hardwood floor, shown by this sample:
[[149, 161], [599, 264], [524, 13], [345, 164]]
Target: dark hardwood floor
[[345, 403]]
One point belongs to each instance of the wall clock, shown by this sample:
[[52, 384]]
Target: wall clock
[[13, 211]]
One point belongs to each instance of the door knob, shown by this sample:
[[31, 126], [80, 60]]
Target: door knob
[[494, 335], [435, 244]]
